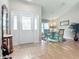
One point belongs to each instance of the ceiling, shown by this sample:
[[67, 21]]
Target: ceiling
[[54, 8]]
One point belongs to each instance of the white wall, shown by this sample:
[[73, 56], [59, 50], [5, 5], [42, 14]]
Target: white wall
[[1, 3], [18, 7], [73, 16], [53, 8]]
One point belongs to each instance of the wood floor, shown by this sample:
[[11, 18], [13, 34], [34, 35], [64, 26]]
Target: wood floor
[[47, 50]]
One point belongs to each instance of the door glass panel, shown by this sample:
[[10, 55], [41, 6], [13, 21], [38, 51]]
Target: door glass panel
[[15, 23], [26, 23], [35, 23]]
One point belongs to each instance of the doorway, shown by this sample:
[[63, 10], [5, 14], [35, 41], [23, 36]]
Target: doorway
[[24, 28]]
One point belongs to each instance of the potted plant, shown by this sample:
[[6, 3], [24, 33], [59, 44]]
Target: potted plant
[[75, 28]]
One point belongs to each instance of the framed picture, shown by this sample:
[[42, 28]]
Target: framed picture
[[64, 23]]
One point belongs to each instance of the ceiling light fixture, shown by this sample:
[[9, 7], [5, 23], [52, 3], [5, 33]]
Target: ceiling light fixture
[[29, 0]]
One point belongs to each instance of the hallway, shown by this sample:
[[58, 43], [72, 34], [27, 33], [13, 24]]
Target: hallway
[[66, 50]]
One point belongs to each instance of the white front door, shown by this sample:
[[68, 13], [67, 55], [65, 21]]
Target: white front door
[[23, 29], [26, 29]]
